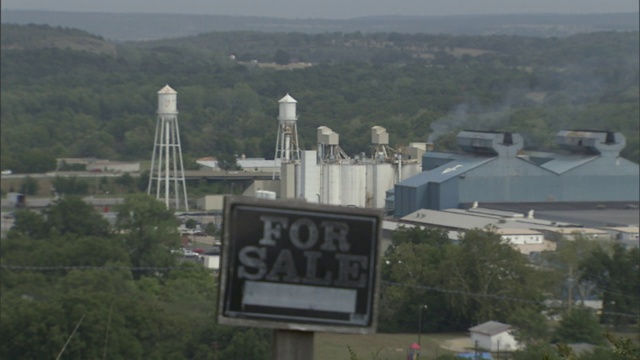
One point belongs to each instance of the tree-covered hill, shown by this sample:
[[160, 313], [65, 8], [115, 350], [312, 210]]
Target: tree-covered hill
[[61, 102], [15, 37]]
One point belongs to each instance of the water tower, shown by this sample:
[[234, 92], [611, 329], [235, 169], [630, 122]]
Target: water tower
[[287, 148], [166, 178]]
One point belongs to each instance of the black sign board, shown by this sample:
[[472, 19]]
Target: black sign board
[[293, 265]]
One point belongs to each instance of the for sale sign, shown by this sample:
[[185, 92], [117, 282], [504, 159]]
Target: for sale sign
[[294, 265]]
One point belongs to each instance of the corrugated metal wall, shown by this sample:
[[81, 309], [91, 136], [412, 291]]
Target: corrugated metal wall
[[509, 180], [515, 180]]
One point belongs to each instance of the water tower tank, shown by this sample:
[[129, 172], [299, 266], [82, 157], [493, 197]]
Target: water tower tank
[[167, 101], [287, 109]]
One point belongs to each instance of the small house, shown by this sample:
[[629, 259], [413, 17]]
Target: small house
[[494, 336]]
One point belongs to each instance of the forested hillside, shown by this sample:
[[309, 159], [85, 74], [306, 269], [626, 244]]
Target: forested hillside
[[16, 37], [60, 101]]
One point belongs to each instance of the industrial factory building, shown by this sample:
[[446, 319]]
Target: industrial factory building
[[328, 175], [492, 168]]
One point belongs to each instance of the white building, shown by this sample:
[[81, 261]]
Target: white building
[[624, 233], [210, 203], [494, 336], [521, 236], [526, 241], [211, 261], [114, 166], [247, 164]]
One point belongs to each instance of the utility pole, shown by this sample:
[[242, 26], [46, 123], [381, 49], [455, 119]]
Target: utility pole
[[420, 322], [570, 292], [476, 351]]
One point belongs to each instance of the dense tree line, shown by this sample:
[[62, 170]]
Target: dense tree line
[[116, 293], [482, 278], [130, 297], [60, 102]]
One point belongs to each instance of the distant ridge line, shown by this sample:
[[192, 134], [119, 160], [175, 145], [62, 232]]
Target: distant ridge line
[[155, 26]]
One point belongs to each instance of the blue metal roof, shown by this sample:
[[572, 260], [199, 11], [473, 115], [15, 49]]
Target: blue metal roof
[[480, 355], [447, 171], [562, 164], [442, 155]]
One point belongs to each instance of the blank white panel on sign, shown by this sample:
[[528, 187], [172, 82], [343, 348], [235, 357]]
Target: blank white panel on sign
[[302, 297]]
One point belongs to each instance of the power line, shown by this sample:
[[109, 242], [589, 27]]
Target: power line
[[89, 267], [461, 292], [492, 296], [416, 286]]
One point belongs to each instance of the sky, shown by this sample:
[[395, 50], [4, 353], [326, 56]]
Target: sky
[[330, 9]]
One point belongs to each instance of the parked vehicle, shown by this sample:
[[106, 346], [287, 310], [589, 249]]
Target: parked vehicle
[[185, 252]]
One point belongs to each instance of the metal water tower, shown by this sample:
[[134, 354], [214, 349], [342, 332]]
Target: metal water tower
[[287, 148], [166, 178]]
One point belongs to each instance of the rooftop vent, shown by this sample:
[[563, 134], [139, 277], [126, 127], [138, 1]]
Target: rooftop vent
[[490, 143], [327, 136], [590, 141], [379, 136]]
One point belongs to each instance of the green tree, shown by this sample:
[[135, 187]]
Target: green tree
[[34, 161], [565, 262], [127, 181], [281, 57], [624, 347], [228, 162], [190, 224], [579, 325], [531, 326], [616, 274], [409, 268], [87, 283], [249, 344], [149, 231], [29, 224], [29, 186], [487, 276], [73, 215], [70, 185], [210, 229], [538, 352], [143, 181]]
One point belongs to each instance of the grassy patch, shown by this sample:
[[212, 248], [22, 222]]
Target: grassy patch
[[330, 346]]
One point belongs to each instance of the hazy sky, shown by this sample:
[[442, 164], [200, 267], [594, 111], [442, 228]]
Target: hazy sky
[[330, 9]]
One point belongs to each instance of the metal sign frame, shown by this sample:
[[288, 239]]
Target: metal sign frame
[[288, 264]]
